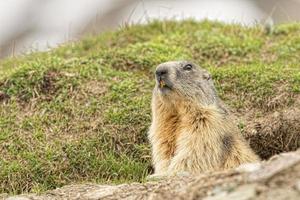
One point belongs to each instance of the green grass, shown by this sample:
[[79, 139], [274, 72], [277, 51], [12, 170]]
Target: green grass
[[80, 113]]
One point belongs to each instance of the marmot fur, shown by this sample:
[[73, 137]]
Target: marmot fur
[[191, 130]]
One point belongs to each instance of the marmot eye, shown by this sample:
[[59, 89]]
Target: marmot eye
[[188, 67]]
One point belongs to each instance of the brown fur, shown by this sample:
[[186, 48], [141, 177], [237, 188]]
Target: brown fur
[[190, 134]]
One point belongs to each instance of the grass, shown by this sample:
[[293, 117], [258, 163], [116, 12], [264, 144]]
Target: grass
[[80, 113]]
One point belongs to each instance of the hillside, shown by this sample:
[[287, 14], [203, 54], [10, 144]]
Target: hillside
[[80, 113]]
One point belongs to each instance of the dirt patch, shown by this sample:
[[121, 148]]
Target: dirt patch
[[3, 96], [48, 86], [282, 97], [274, 133], [95, 87]]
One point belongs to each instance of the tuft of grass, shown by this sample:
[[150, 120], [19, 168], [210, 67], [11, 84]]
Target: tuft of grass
[[80, 113]]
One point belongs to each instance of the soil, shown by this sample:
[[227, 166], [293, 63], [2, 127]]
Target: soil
[[274, 133]]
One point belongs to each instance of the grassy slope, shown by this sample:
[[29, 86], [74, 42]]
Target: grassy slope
[[81, 112]]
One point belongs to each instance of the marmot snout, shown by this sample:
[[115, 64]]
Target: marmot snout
[[186, 81], [191, 130]]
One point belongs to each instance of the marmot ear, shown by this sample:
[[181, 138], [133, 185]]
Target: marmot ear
[[206, 76]]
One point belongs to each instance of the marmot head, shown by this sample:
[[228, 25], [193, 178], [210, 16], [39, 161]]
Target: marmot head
[[183, 80]]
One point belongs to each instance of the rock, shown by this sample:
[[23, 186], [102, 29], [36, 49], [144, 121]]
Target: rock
[[99, 194], [17, 198], [244, 192], [249, 167], [297, 186]]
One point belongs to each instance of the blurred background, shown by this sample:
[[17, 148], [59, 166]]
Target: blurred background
[[38, 25]]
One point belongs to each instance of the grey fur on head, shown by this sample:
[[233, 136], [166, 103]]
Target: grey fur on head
[[185, 80]]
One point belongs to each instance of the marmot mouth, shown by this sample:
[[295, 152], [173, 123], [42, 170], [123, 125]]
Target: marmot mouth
[[162, 83], [163, 86]]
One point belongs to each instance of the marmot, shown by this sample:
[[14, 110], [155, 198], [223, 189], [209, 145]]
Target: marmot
[[192, 130]]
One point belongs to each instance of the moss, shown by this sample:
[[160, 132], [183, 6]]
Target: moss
[[81, 112]]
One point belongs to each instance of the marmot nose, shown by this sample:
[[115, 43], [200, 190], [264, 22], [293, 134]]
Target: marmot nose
[[161, 72]]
